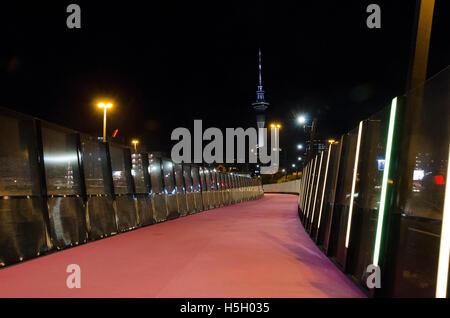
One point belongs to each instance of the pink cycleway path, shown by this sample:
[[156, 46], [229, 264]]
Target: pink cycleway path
[[251, 249]]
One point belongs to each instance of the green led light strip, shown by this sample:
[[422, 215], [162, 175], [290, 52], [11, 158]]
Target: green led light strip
[[387, 162]]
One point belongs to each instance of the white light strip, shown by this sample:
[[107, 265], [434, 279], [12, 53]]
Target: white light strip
[[302, 187], [305, 199], [324, 186], [300, 191], [312, 186], [317, 188], [352, 194], [384, 183], [444, 249], [306, 188]]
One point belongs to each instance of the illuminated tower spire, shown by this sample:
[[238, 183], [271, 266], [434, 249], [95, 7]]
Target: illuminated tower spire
[[260, 105]]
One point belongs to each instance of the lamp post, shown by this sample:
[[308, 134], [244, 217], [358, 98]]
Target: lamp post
[[275, 129], [135, 142], [105, 107]]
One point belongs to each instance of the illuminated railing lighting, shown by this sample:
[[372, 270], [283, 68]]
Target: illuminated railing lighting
[[384, 183], [444, 249], [355, 175], [324, 187], [317, 188]]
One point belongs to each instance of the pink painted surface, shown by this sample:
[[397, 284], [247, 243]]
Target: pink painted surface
[[252, 249]]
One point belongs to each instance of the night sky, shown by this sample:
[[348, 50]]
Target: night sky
[[165, 63]]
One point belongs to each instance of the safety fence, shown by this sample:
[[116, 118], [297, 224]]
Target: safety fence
[[282, 187], [379, 196], [61, 188]]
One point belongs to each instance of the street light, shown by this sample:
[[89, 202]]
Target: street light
[[135, 142], [301, 119], [299, 146], [275, 126], [293, 165], [299, 158], [104, 106]]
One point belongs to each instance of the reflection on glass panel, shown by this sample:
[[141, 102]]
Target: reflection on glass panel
[[371, 161], [118, 169], [94, 164], [202, 178], [207, 179], [426, 172], [213, 176], [347, 163], [222, 180], [154, 169], [137, 171], [168, 176], [61, 162], [422, 174], [195, 179], [179, 178], [188, 178], [18, 170], [218, 180]]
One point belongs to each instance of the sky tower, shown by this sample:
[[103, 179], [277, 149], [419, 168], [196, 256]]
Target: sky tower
[[260, 105]]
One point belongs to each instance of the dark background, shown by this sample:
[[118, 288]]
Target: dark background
[[165, 63]]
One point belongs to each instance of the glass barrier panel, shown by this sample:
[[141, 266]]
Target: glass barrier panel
[[95, 166], [196, 179], [137, 171], [367, 193], [187, 175], [18, 159], [179, 177], [61, 162], [118, 169], [168, 176], [343, 195], [423, 153], [154, 169]]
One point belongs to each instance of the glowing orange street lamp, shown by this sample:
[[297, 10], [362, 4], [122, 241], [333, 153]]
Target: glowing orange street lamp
[[104, 106], [135, 142]]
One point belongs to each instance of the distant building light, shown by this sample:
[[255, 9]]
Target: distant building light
[[439, 179], [418, 175]]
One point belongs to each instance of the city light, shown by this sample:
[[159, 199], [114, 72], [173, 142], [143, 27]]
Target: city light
[[105, 106], [293, 165], [275, 125], [135, 142], [299, 146], [301, 119]]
